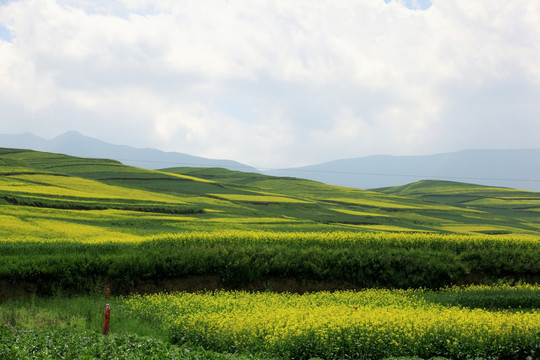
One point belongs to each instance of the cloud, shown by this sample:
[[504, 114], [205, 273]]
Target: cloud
[[275, 83]]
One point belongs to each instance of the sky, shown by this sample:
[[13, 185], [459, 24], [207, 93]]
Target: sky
[[275, 83]]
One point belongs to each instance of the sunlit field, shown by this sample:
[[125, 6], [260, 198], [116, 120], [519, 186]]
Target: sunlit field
[[217, 264], [371, 323]]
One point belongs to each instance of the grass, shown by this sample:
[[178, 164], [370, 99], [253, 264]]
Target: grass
[[69, 328], [258, 199]]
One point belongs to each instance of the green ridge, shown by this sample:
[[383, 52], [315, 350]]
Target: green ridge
[[220, 198]]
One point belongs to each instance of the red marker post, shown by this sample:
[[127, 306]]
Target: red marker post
[[107, 320]]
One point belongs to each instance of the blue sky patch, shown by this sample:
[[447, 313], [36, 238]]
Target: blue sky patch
[[414, 4], [5, 34]]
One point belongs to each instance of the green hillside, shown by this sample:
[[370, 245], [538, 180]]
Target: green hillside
[[42, 187], [431, 205], [505, 207]]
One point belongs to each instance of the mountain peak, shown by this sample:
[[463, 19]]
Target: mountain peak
[[20, 141], [70, 134]]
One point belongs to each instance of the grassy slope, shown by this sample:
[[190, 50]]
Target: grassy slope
[[424, 206], [506, 208], [199, 198]]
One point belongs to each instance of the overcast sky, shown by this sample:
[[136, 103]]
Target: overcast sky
[[275, 83]]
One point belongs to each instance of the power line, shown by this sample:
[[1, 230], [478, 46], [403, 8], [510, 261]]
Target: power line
[[409, 175], [337, 172]]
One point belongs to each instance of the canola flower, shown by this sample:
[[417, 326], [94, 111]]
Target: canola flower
[[370, 323], [23, 223], [35, 229], [339, 238]]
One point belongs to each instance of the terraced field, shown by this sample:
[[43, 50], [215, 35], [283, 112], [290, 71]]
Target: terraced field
[[214, 196]]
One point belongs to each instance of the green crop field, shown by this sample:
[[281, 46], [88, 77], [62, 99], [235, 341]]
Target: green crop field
[[243, 265]]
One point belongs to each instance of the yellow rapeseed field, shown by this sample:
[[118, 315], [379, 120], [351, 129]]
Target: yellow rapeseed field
[[333, 324]]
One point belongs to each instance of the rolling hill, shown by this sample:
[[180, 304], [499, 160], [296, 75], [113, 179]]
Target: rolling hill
[[47, 185]]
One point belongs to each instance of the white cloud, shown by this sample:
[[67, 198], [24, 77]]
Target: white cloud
[[275, 83], [21, 83]]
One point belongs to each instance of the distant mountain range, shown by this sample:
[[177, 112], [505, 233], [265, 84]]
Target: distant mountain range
[[75, 144], [518, 169]]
